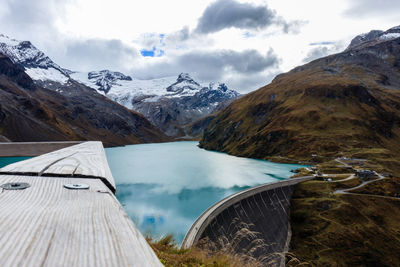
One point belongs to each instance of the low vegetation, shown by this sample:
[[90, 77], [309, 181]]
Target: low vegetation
[[206, 255], [360, 228], [201, 256]]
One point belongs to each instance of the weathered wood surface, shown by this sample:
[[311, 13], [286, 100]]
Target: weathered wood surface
[[199, 226], [49, 225], [28, 149], [85, 159]]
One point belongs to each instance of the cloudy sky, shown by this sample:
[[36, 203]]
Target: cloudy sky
[[244, 43]]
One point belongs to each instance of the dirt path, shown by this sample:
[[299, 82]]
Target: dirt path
[[364, 183]]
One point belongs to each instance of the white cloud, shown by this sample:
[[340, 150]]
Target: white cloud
[[93, 34], [213, 65]]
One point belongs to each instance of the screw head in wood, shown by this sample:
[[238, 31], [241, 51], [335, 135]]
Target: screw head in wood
[[15, 186], [76, 186]]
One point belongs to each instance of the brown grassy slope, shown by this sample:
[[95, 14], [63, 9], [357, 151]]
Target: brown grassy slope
[[333, 104], [345, 104], [31, 113], [344, 230]]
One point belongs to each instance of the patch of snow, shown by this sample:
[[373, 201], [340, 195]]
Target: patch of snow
[[395, 28], [389, 36], [8, 41], [152, 99], [47, 74]]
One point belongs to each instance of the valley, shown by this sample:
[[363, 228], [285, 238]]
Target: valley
[[340, 114]]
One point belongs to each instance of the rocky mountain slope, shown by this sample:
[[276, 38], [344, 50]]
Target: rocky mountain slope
[[346, 104], [169, 103], [29, 112], [35, 63], [337, 103], [375, 36]]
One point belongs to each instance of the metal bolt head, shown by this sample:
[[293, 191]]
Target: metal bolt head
[[76, 186], [15, 186]]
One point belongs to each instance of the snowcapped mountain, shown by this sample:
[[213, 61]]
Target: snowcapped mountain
[[375, 36], [106, 79], [36, 64], [73, 111], [184, 85], [169, 103], [120, 87], [128, 91]]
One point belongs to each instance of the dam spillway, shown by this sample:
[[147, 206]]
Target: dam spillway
[[254, 222]]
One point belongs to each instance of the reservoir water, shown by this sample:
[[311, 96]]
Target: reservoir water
[[4, 161], [165, 187]]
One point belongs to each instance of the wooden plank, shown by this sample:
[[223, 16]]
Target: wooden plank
[[85, 159], [49, 225], [30, 149]]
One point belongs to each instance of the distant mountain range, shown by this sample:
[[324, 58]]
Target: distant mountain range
[[30, 112], [169, 103]]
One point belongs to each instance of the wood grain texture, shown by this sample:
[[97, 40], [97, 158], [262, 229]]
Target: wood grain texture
[[85, 159], [49, 225]]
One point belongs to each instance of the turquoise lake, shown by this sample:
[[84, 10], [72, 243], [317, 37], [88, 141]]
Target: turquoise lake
[[8, 160], [165, 187]]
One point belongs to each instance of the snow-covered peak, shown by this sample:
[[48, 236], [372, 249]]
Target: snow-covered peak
[[36, 63], [108, 75], [223, 90], [365, 37], [376, 35], [184, 85], [7, 40], [395, 28], [218, 86], [106, 79], [389, 36], [185, 77]]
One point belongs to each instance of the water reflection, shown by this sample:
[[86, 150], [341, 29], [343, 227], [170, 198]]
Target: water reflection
[[165, 187]]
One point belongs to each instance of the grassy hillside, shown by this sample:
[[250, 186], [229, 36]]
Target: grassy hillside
[[335, 104], [346, 104]]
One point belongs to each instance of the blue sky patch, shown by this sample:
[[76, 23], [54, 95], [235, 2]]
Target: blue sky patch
[[147, 53], [152, 53]]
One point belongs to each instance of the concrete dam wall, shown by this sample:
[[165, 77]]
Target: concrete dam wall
[[254, 222]]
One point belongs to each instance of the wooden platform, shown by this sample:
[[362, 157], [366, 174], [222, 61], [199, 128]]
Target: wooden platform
[[87, 159], [50, 225]]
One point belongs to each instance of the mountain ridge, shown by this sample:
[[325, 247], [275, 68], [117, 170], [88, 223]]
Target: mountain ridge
[[169, 103], [333, 78], [29, 112], [343, 106]]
